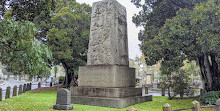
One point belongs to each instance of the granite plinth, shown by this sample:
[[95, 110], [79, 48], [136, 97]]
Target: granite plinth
[[105, 92], [106, 76], [110, 102]]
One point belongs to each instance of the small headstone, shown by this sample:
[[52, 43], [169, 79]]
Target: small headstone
[[8, 92], [167, 107], [28, 87], [0, 94], [15, 91], [20, 89], [63, 100], [39, 85], [24, 88], [163, 92]]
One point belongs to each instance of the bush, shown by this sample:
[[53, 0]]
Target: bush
[[61, 79], [210, 97]]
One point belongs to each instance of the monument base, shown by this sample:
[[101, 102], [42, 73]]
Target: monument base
[[110, 102], [108, 97]]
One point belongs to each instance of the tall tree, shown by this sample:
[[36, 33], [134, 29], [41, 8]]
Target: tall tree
[[68, 38], [192, 34], [20, 51]]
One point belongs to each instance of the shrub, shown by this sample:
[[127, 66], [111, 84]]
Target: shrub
[[210, 97], [61, 79]]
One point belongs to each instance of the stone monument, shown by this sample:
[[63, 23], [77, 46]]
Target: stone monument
[[107, 80], [63, 100]]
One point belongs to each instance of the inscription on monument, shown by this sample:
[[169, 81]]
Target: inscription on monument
[[108, 43]]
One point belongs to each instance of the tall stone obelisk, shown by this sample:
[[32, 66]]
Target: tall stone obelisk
[[107, 80]]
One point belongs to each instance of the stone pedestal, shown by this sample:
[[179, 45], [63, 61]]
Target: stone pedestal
[[107, 86], [107, 80]]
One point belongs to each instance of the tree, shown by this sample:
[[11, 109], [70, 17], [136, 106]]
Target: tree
[[69, 36], [191, 34], [20, 51], [37, 11]]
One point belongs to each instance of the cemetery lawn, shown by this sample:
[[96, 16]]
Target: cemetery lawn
[[44, 101]]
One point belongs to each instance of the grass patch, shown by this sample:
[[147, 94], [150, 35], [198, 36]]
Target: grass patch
[[44, 101]]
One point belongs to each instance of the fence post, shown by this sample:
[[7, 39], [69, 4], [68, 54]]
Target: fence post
[[14, 91], [218, 105], [39, 85], [20, 89], [30, 85], [8, 92], [201, 92], [167, 107], [163, 92], [24, 88], [195, 106], [0, 94]]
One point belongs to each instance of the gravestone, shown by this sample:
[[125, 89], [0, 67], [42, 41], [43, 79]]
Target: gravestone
[[0, 94], [20, 89], [14, 91], [107, 80], [39, 85], [28, 87], [24, 88], [63, 100], [8, 92]]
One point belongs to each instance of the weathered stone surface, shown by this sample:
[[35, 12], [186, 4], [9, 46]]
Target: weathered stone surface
[[110, 102], [62, 107], [63, 100], [105, 92], [132, 109], [15, 91], [24, 88], [20, 89], [63, 97], [108, 44], [8, 92], [106, 76], [0, 94]]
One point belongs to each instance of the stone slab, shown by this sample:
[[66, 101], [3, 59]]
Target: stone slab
[[105, 92], [106, 76], [62, 107], [63, 97], [110, 102], [108, 42]]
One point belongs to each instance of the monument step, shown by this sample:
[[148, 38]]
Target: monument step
[[105, 92], [110, 102]]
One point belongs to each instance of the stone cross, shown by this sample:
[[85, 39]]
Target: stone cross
[[108, 43], [63, 100]]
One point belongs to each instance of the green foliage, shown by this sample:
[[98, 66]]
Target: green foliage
[[69, 36], [20, 51], [61, 79], [180, 82], [44, 101], [210, 97]]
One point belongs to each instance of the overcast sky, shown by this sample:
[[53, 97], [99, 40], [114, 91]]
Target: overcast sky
[[133, 41]]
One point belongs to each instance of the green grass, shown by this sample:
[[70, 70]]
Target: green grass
[[44, 101]]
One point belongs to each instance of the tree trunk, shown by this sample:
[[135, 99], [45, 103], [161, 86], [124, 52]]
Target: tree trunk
[[209, 72], [68, 75]]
